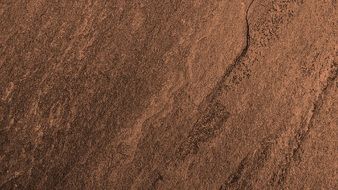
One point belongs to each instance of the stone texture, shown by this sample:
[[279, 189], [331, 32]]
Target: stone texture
[[171, 94]]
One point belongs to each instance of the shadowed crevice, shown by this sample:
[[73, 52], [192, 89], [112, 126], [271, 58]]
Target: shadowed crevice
[[238, 60]]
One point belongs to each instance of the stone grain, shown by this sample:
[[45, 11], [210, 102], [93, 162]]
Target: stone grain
[[172, 94]]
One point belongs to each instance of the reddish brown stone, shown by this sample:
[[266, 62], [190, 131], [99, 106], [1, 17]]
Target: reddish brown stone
[[168, 94]]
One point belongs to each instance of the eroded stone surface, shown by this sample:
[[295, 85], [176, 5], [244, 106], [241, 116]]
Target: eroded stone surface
[[168, 94]]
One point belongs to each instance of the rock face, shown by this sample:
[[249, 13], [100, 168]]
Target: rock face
[[171, 94]]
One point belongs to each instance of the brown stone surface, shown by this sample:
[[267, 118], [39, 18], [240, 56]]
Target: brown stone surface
[[170, 94]]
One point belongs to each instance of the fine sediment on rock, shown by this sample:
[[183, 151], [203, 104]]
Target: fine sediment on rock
[[173, 94]]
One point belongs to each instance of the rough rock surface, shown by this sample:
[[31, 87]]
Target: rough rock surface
[[170, 94]]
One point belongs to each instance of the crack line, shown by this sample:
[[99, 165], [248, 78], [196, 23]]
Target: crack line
[[218, 88]]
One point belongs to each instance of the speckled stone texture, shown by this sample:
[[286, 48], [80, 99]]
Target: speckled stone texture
[[168, 94]]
